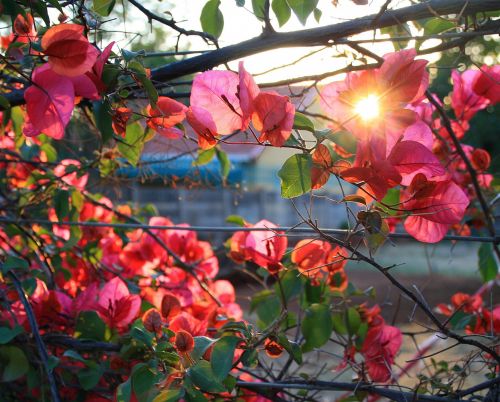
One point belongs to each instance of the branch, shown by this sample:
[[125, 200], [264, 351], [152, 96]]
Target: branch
[[395, 395], [327, 35], [81, 345], [42, 350], [171, 23]]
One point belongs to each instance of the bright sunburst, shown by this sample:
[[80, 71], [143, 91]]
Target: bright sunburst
[[368, 108]]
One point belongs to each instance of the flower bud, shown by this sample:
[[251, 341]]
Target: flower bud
[[170, 306], [152, 320], [273, 349], [184, 341], [480, 159]]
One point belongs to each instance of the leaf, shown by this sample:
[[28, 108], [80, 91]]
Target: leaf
[[437, 25], [223, 355], [296, 175], [236, 219], [141, 75], [143, 380], [7, 334], [4, 102], [224, 162], [488, 267], [302, 122], [103, 121], [352, 320], [14, 363], [258, 8], [204, 156], [212, 20], [397, 31], [291, 283], [61, 204], [317, 14], [201, 345], [354, 198], [282, 11], [50, 152], [302, 8], [316, 326], [131, 148], [89, 377], [202, 376], [124, 391], [103, 7], [12, 262], [169, 395], [90, 326], [292, 348]]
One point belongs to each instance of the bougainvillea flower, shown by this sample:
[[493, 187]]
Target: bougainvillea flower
[[215, 92], [95, 74], [266, 248], [436, 206], [380, 346], [120, 117], [324, 165], [273, 116], [70, 176], [375, 100], [203, 125], [185, 321], [487, 84], [464, 100], [70, 53], [310, 256], [24, 28], [247, 92], [116, 306], [163, 118], [49, 103]]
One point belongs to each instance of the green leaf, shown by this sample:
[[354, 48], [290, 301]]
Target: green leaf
[[103, 7], [61, 204], [437, 25], [124, 391], [12, 262], [302, 8], [296, 175], [258, 8], [103, 121], [291, 283], [302, 122], [89, 377], [339, 325], [131, 148], [316, 326], [224, 162], [352, 320], [13, 363], [292, 348], [7, 334], [143, 381], [4, 102], [141, 75], [398, 31], [169, 395], [90, 326], [204, 156], [222, 356], [317, 14], [212, 20], [201, 345], [488, 267], [282, 11], [202, 376], [50, 152], [236, 219]]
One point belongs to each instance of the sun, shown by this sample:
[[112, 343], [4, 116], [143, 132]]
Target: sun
[[368, 108]]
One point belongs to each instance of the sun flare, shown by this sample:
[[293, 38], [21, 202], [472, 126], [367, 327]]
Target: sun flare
[[368, 108]]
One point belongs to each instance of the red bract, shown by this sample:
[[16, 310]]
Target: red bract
[[70, 53], [374, 103], [214, 101], [116, 306], [381, 345], [435, 205], [68, 172], [464, 100], [24, 27], [487, 83], [165, 116], [273, 116], [247, 92], [49, 103]]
